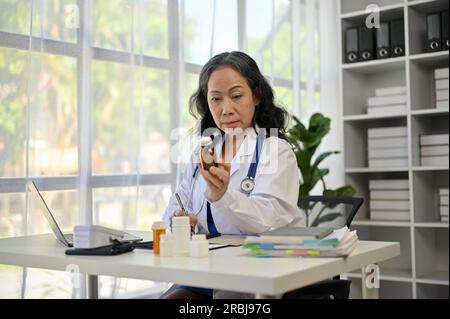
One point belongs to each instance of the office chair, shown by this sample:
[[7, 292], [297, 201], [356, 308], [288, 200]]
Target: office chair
[[341, 211], [347, 211]]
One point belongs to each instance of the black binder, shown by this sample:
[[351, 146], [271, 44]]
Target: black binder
[[109, 250], [383, 41], [351, 45], [397, 37], [366, 43], [444, 17], [434, 32]]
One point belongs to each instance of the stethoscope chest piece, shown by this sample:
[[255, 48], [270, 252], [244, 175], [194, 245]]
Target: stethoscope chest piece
[[248, 184]]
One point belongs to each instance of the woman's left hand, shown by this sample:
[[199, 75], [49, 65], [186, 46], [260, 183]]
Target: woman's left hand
[[217, 180]]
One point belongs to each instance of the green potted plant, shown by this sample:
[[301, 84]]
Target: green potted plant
[[306, 141]]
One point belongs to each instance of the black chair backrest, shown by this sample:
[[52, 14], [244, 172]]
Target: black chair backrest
[[354, 202]]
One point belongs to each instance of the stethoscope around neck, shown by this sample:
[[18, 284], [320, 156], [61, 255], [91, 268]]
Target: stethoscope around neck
[[247, 184]]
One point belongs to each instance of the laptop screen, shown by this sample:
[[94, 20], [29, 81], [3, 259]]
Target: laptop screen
[[47, 213], [54, 225]]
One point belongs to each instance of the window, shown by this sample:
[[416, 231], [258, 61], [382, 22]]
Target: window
[[91, 90]]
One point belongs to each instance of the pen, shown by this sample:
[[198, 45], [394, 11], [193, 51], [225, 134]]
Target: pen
[[180, 203]]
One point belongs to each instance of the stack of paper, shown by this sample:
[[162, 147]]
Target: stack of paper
[[391, 100], [434, 150], [441, 85], [389, 199], [340, 242], [443, 204], [388, 147]]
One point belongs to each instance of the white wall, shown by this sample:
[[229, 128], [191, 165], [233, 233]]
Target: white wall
[[329, 80]]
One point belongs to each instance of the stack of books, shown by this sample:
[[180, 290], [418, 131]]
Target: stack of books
[[443, 204], [434, 150], [389, 199], [388, 147], [441, 85], [299, 242], [391, 100]]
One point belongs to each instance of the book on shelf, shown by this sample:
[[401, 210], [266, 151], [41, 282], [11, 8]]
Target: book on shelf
[[434, 160], [389, 215], [383, 110], [384, 184], [397, 32], [387, 91], [441, 84], [366, 43], [389, 204], [433, 32], [388, 152], [441, 73], [397, 131], [442, 104], [388, 162], [387, 100], [442, 95], [389, 194], [443, 210], [445, 29], [434, 150], [388, 142], [434, 139]]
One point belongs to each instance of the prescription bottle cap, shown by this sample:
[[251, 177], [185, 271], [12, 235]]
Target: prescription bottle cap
[[199, 237], [180, 221], [159, 224]]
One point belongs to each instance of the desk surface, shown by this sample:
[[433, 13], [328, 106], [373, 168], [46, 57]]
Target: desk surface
[[228, 268]]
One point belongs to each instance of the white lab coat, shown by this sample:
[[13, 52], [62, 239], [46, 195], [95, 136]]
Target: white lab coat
[[271, 204]]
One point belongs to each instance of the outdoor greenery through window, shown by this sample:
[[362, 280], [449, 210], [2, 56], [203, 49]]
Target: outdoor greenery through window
[[90, 91]]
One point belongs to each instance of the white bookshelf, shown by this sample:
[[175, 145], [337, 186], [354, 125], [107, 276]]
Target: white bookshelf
[[422, 269]]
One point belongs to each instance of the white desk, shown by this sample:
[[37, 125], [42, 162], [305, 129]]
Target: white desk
[[226, 268]]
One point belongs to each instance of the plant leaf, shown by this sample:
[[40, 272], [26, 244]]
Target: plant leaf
[[318, 174], [341, 191], [321, 157], [346, 190], [305, 141], [319, 126]]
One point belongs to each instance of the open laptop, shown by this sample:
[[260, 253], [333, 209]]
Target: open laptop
[[66, 239]]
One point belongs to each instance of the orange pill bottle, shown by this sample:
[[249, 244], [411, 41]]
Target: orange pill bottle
[[158, 229]]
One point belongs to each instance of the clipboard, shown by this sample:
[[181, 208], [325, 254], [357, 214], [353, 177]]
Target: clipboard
[[227, 240]]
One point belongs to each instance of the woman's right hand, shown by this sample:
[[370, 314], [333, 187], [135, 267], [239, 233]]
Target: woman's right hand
[[193, 220]]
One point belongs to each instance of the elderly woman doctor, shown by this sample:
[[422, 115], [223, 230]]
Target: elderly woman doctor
[[255, 185]]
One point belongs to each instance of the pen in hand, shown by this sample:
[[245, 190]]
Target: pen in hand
[[180, 203]]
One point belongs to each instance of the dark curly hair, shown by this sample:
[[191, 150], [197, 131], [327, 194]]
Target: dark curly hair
[[267, 114]]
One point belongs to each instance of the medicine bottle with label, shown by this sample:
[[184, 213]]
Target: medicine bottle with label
[[207, 153], [158, 229], [166, 245], [181, 230], [198, 246]]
